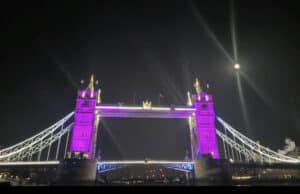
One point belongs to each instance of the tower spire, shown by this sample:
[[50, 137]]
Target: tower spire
[[99, 96], [189, 99], [91, 84], [197, 87]]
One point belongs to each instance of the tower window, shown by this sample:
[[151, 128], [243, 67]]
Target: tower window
[[204, 106]]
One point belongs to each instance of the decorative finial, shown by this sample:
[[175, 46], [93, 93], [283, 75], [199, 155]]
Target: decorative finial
[[83, 94], [189, 99], [99, 96], [147, 104], [91, 85], [197, 87], [207, 86]]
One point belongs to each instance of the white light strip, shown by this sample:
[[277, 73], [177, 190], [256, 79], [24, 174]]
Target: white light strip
[[28, 163], [145, 162], [186, 109], [159, 108], [132, 108], [120, 107], [122, 162], [169, 162]]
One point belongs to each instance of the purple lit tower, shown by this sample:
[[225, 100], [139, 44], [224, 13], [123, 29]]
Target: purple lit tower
[[205, 123], [84, 131]]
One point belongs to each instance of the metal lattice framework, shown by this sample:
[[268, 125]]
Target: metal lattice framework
[[39, 142], [236, 146]]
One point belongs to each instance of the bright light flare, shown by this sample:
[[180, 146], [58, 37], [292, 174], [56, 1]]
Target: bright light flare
[[233, 30], [237, 66], [209, 31], [259, 91], [242, 101]]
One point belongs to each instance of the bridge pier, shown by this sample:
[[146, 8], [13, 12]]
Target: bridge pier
[[210, 171], [80, 167], [76, 172]]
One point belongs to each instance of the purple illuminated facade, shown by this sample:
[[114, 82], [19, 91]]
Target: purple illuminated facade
[[84, 123], [205, 125], [89, 108]]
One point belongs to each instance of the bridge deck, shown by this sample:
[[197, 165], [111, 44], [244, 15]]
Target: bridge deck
[[29, 163], [56, 162], [145, 162]]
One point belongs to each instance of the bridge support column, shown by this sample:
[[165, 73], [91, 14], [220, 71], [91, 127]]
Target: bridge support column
[[209, 171], [77, 172]]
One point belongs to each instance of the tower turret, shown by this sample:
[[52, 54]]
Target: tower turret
[[205, 122], [85, 125]]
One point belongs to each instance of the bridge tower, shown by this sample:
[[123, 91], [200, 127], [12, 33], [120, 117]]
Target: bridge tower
[[80, 168], [204, 129], [205, 125], [84, 133]]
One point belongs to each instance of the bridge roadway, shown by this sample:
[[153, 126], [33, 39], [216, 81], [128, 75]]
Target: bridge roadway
[[125, 162], [159, 162], [162, 162], [29, 163], [102, 166]]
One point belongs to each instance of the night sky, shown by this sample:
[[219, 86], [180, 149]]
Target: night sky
[[138, 50]]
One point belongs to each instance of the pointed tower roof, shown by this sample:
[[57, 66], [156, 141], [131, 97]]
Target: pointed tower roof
[[91, 84], [189, 99], [197, 86]]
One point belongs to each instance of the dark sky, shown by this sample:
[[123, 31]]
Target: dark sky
[[147, 48]]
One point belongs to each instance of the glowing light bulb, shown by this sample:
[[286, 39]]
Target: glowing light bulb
[[237, 66]]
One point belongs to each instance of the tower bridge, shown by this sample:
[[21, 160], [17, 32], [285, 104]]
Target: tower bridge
[[74, 137]]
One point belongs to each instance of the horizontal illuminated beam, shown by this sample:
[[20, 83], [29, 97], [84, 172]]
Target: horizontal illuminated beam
[[118, 108], [140, 112], [145, 162], [24, 163], [105, 107], [185, 109]]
